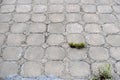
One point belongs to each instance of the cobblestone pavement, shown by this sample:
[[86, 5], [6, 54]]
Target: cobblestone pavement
[[34, 37]]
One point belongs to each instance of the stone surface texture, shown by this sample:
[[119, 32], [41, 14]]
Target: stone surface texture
[[34, 37]]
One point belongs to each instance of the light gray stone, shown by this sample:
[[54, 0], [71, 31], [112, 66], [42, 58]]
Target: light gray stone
[[75, 54], [56, 17], [15, 39], [31, 69], [56, 8], [104, 9], [88, 1], [113, 40], [55, 53], [23, 8], [40, 1], [103, 1], [72, 1], [37, 28], [2, 38], [93, 28], [7, 8], [116, 8], [117, 65], [38, 17], [8, 68], [35, 39], [19, 28], [114, 51], [74, 28], [73, 17], [34, 53], [24, 1], [107, 18], [4, 27], [56, 28], [72, 8], [8, 1], [110, 28], [98, 53], [5, 17], [54, 67], [39, 8], [89, 8], [95, 39], [56, 1], [76, 38], [12, 53], [76, 69], [117, 1], [21, 17], [55, 39], [91, 18]]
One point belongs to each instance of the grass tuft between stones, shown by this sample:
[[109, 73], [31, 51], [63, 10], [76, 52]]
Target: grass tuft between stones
[[77, 45], [104, 73]]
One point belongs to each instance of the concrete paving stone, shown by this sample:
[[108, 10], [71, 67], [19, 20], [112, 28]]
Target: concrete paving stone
[[37, 28], [116, 8], [56, 17], [107, 18], [89, 8], [31, 69], [118, 17], [113, 40], [76, 38], [56, 1], [75, 54], [12, 53], [55, 53], [34, 54], [54, 67], [95, 39], [93, 28], [104, 9], [7, 8], [2, 39], [72, 1], [72, 8], [114, 51], [21, 17], [19, 28], [5, 17], [110, 28], [55, 39], [15, 39], [56, 8], [4, 27], [8, 68], [117, 1], [38, 17], [56, 28], [98, 53], [91, 18], [74, 28], [97, 65], [24, 1], [117, 65], [103, 1], [35, 39], [39, 8], [40, 1], [23, 8], [88, 1], [8, 1], [73, 17], [76, 69]]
